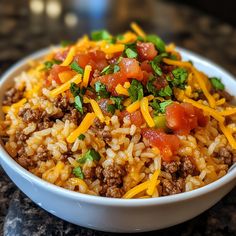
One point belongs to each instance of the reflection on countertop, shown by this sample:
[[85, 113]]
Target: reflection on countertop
[[27, 26]]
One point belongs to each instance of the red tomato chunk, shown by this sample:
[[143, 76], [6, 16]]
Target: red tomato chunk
[[146, 51], [182, 118], [168, 144]]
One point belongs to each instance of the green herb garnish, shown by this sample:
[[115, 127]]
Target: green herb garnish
[[135, 90], [75, 66], [157, 41], [167, 91], [79, 104], [90, 155], [180, 77], [117, 102], [131, 53], [100, 35], [216, 83], [81, 137], [49, 64], [110, 69], [164, 104], [65, 43], [156, 68], [101, 90], [78, 172], [111, 108], [151, 88]]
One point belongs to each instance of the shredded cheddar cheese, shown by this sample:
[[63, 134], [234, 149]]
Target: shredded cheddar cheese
[[87, 71], [127, 102], [78, 182], [127, 37], [220, 102], [137, 30], [228, 135], [97, 110], [133, 107], [228, 112], [135, 190], [153, 182], [113, 48], [65, 76], [126, 85], [5, 109], [121, 90], [83, 127], [145, 112], [69, 57], [206, 109], [62, 88]]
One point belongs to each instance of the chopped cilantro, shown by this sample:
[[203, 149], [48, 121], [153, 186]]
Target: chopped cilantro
[[81, 137], [157, 41], [167, 91], [120, 37], [156, 68], [135, 90], [91, 155], [118, 102], [164, 104], [180, 77], [216, 83], [110, 69], [65, 43], [140, 38], [131, 53], [100, 35], [101, 90], [79, 104], [111, 108], [75, 89], [78, 172], [155, 105], [75, 66], [49, 64], [151, 88]]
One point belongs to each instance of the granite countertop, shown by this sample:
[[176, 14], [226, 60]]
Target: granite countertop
[[25, 28]]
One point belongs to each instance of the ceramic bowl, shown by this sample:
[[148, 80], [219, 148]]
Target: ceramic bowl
[[118, 215]]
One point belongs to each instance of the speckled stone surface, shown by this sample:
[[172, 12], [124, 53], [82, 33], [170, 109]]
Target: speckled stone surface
[[22, 32]]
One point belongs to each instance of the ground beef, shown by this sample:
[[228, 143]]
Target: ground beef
[[12, 96], [113, 175], [98, 124], [169, 187], [20, 136], [114, 192], [24, 160], [62, 103], [226, 156], [171, 167], [187, 167], [30, 115], [111, 178], [45, 123], [73, 116], [42, 153], [89, 172]]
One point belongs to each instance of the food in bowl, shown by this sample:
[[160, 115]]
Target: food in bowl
[[120, 116]]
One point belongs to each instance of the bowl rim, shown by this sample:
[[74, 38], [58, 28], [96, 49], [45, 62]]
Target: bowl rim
[[98, 200]]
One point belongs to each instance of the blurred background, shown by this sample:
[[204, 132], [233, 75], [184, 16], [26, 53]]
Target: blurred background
[[207, 27]]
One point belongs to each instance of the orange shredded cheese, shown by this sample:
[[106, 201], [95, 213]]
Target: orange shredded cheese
[[127, 102], [5, 109], [177, 63], [97, 110], [206, 109], [69, 57], [121, 90], [137, 30], [113, 48], [65, 76], [153, 182], [83, 127], [133, 107], [127, 37], [126, 85], [78, 182], [220, 102], [228, 135], [135, 190], [228, 112], [87, 71], [62, 88], [145, 112]]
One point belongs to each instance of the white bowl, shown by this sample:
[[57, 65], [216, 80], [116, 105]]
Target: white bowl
[[118, 215]]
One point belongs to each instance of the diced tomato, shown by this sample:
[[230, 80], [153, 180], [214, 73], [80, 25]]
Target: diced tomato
[[160, 83], [145, 65], [146, 51], [182, 118], [168, 144], [97, 59], [56, 69], [135, 117], [111, 81], [130, 68]]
